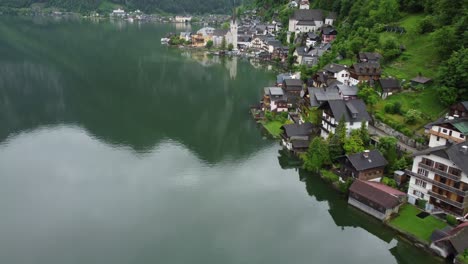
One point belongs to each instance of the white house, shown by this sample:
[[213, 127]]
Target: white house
[[439, 177], [118, 12], [305, 20], [353, 112], [183, 19], [338, 72], [449, 130]]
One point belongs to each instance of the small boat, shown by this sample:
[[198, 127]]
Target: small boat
[[165, 40]]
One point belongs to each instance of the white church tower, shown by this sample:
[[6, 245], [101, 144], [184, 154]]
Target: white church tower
[[234, 29]]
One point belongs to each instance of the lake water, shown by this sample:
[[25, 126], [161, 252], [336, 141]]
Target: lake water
[[115, 149]]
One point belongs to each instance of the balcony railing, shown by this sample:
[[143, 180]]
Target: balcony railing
[[328, 121], [438, 184], [439, 172], [445, 199], [442, 135]]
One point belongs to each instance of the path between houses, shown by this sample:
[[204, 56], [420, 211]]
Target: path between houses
[[373, 131]]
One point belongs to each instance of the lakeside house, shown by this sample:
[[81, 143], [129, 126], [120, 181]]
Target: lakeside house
[[183, 19], [353, 112], [450, 242], [366, 165], [376, 199], [293, 89], [275, 100], [296, 137], [439, 177]]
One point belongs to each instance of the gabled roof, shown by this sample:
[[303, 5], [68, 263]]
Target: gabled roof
[[457, 236], [308, 14], [319, 95], [292, 130], [373, 160], [341, 109], [274, 43], [370, 56], [378, 193], [461, 124], [312, 35], [389, 83], [329, 31], [347, 90], [456, 153], [421, 80], [292, 84], [276, 91], [306, 23], [366, 68], [335, 68], [283, 76], [220, 32]]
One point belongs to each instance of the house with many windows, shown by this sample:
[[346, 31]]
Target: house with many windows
[[353, 112], [439, 177]]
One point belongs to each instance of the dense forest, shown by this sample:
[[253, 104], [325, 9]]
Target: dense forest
[[435, 35], [149, 6]]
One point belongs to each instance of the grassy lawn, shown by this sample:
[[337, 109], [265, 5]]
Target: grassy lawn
[[273, 127], [426, 101], [420, 228], [462, 259], [419, 56]]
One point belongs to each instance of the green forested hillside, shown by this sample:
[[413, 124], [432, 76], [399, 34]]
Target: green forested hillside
[[149, 6]]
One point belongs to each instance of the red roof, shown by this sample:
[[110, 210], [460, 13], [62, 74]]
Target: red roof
[[377, 193]]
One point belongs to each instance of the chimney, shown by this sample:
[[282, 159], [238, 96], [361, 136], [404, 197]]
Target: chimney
[[464, 149], [366, 154]]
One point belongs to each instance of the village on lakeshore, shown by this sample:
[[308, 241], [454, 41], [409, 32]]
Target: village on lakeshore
[[415, 182]]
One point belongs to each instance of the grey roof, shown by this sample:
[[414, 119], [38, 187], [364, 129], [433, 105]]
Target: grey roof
[[308, 14], [312, 35], [366, 68], [274, 43], [329, 31], [306, 23], [319, 95], [421, 79], [454, 153], [378, 193], [389, 83], [439, 234], [300, 143], [335, 68], [341, 109], [370, 56], [283, 76], [276, 91], [292, 84], [374, 160], [347, 90], [220, 32], [465, 104], [292, 130]]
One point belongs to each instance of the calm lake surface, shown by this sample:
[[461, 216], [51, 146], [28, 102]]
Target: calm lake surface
[[115, 149]]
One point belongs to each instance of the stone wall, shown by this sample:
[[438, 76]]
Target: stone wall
[[401, 137]]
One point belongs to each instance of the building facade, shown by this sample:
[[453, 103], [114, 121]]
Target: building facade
[[439, 177]]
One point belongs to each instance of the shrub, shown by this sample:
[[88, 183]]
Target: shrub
[[451, 220], [389, 182], [412, 116], [421, 204], [426, 25], [329, 176], [344, 186]]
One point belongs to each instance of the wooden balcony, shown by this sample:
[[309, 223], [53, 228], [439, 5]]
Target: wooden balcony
[[438, 184], [446, 200], [439, 172], [448, 137]]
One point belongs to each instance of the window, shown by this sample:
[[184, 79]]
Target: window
[[440, 166], [428, 162], [423, 172], [444, 131], [462, 136], [418, 194], [454, 171], [438, 138], [421, 183]]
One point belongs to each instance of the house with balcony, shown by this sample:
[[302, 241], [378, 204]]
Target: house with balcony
[[328, 34], [364, 72], [296, 137], [337, 71], [439, 177], [448, 131], [367, 166], [353, 112]]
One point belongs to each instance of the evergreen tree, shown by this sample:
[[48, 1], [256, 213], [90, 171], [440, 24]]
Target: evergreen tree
[[317, 156]]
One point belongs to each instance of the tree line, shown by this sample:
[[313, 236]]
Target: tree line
[[148, 6]]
